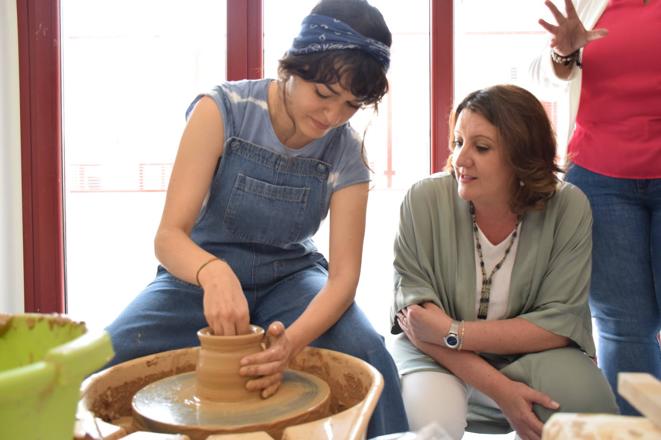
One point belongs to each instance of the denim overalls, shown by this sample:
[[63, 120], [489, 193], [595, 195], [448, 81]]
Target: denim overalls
[[262, 209]]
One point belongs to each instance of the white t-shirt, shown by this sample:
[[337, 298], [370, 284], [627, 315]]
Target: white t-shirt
[[500, 284]]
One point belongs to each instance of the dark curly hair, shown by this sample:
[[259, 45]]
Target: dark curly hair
[[527, 137]]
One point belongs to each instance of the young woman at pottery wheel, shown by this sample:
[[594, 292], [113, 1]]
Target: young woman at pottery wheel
[[260, 164]]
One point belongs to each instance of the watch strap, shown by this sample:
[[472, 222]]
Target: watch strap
[[452, 339]]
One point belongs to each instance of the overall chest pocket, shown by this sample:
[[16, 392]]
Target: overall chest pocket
[[261, 212]]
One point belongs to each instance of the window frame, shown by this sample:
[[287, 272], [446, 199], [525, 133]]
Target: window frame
[[41, 155], [41, 125]]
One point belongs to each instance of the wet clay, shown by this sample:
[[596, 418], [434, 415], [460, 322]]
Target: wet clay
[[109, 395], [348, 383], [115, 402], [217, 377]]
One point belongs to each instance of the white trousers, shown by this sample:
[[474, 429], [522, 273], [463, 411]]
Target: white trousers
[[432, 396]]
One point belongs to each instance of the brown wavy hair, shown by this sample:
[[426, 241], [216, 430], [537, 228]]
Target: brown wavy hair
[[527, 137]]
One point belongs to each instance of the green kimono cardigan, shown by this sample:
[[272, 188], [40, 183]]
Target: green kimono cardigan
[[435, 261]]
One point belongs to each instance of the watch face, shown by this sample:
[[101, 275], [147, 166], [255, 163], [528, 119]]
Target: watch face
[[451, 340]]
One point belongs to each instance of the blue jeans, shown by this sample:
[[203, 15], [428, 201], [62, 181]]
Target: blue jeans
[[168, 313], [625, 294]]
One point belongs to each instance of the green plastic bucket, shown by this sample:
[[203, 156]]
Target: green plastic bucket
[[43, 360]]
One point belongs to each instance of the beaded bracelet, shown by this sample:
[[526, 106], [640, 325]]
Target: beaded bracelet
[[202, 266], [572, 58]]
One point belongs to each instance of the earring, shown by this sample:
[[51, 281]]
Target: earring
[[521, 184]]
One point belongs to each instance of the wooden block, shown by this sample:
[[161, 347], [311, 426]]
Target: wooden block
[[643, 392], [571, 426]]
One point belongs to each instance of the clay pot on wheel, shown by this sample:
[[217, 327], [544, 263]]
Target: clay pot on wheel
[[218, 378]]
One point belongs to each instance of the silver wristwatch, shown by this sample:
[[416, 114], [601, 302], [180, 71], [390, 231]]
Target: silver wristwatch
[[452, 339]]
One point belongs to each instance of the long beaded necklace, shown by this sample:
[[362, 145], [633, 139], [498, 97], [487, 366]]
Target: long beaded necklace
[[486, 281]]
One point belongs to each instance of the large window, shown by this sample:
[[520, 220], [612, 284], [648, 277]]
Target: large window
[[129, 71]]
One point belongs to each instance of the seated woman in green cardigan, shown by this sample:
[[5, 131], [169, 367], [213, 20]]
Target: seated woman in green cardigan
[[492, 268]]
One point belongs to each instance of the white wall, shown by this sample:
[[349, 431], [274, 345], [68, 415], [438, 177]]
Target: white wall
[[11, 231]]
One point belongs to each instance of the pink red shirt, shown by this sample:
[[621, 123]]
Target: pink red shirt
[[618, 125]]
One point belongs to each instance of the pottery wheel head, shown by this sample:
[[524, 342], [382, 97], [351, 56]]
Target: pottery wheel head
[[170, 405]]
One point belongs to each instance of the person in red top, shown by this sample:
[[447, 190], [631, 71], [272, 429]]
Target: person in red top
[[615, 150]]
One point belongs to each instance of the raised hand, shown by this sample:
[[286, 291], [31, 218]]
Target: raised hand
[[569, 34]]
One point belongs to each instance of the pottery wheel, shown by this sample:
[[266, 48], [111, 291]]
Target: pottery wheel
[[170, 404]]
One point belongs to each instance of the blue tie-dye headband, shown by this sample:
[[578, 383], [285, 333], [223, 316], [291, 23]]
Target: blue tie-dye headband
[[320, 33]]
